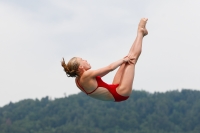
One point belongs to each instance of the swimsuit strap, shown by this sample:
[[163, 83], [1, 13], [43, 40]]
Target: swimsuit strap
[[84, 89], [80, 86]]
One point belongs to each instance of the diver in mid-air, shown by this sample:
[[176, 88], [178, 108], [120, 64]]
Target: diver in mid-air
[[90, 82]]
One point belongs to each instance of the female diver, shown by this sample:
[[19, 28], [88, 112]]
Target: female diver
[[90, 82]]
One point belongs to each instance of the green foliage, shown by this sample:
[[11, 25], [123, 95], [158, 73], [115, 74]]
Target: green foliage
[[143, 112]]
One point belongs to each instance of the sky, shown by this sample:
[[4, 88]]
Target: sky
[[35, 35]]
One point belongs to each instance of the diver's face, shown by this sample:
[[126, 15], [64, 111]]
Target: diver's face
[[83, 63]]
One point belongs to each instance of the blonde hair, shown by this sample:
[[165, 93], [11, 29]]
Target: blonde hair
[[71, 68]]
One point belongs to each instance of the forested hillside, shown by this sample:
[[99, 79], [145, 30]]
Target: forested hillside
[[143, 112]]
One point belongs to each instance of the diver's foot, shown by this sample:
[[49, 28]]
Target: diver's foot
[[142, 26], [142, 31]]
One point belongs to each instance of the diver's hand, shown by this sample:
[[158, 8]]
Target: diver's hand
[[128, 60]]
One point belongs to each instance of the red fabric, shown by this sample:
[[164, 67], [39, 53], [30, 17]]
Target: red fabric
[[111, 88]]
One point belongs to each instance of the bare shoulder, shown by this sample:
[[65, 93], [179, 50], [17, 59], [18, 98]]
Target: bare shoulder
[[88, 74]]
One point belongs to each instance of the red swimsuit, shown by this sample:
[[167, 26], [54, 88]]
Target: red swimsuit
[[110, 87]]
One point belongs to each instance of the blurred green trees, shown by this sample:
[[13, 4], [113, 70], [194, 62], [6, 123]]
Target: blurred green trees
[[143, 112]]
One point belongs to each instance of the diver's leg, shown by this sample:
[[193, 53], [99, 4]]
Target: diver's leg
[[120, 71], [125, 74]]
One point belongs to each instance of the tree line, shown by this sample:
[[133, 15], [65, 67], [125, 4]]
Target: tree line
[[144, 112]]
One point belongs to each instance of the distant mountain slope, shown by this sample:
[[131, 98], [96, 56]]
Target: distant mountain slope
[[143, 112]]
